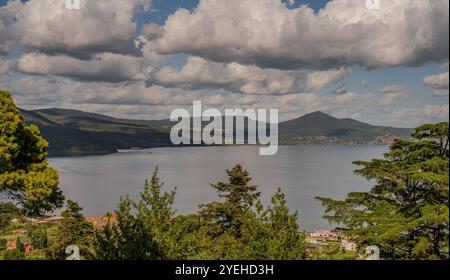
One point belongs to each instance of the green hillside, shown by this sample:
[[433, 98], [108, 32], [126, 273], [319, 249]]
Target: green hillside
[[319, 124], [72, 132]]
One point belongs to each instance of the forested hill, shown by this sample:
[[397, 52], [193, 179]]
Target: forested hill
[[319, 124], [72, 132]]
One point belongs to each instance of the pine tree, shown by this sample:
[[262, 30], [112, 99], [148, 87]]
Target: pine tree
[[19, 245], [239, 197], [25, 176], [73, 230], [144, 235], [127, 238], [406, 212]]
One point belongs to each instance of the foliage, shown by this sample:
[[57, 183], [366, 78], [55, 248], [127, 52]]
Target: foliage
[[72, 230], [7, 212], [236, 228], [19, 245], [239, 228], [126, 239], [13, 255], [406, 212], [239, 197], [25, 176], [39, 238], [3, 243], [142, 229]]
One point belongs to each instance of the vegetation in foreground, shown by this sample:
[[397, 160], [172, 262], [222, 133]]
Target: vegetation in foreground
[[405, 213]]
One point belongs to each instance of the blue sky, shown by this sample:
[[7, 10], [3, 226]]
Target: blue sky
[[222, 56]]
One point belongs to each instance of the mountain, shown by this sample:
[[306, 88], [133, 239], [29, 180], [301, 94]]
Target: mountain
[[72, 132], [319, 124]]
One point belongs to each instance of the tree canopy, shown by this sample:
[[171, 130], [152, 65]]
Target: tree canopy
[[406, 212], [25, 176]]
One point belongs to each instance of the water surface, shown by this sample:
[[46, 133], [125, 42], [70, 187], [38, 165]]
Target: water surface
[[303, 172]]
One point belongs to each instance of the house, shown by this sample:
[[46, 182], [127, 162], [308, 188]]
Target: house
[[324, 234], [97, 221], [11, 245], [101, 221], [348, 245]]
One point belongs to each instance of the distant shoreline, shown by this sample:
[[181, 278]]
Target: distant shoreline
[[61, 154]]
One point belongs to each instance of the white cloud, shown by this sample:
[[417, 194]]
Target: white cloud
[[429, 113], [345, 32], [439, 83], [319, 79], [99, 26], [7, 66], [199, 73], [103, 67], [392, 93]]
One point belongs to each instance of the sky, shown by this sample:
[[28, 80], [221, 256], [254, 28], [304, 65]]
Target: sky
[[385, 64]]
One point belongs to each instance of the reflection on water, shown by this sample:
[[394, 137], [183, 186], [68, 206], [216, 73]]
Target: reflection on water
[[303, 172]]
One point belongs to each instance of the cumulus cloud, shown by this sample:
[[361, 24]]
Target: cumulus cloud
[[340, 89], [6, 21], [103, 67], [439, 83], [428, 113], [151, 31], [319, 79], [199, 73], [269, 34], [392, 89], [7, 66], [392, 93], [99, 26]]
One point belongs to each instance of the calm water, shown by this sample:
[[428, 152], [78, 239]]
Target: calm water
[[303, 172]]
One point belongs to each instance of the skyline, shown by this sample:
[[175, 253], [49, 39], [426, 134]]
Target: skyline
[[141, 59]]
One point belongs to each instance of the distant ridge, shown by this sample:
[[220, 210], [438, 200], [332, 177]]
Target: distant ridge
[[320, 124], [73, 132]]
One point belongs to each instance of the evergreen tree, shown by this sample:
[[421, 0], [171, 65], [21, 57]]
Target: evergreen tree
[[286, 242], [406, 212], [239, 197], [145, 235], [155, 209], [19, 245], [73, 230], [39, 238], [25, 176], [127, 238]]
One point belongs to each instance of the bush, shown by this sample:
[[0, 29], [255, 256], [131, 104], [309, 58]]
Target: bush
[[38, 237], [13, 255], [3, 243]]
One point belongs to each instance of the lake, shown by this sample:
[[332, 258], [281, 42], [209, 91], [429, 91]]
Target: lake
[[303, 172]]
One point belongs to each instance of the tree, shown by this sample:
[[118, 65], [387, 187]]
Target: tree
[[39, 238], [3, 243], [7, 212], [155, 209], [25, 176], [13, 255], [72, 230], [406, 212], [239, 197], [239, 228], [19, 245], [286, 242], [127, 238], [144, 235]]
